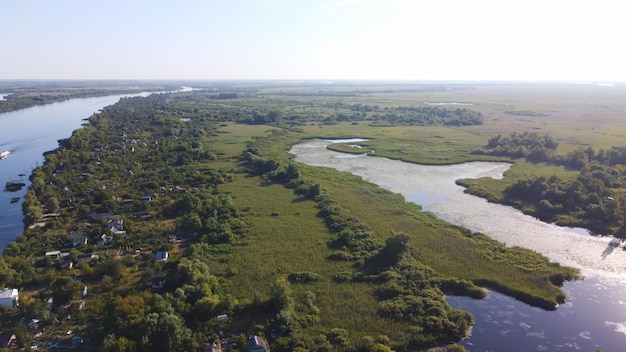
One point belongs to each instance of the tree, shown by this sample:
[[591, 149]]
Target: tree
[[7, 274], [165, 331], [53, 205], [64, 289], [455, 348], [274, 115], [112, 343], [395, 246]]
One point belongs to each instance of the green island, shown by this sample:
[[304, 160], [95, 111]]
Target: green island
[[179, 220]]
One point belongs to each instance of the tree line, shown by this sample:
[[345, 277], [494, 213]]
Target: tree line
[[593, 199]]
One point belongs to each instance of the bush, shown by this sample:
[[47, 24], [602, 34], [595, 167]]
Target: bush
[[304, 277]]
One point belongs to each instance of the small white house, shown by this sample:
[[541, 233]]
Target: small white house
[[9, 297]]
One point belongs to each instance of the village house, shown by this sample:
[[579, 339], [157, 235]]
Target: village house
[[55, 255], [213, 347], [116, 225], [161, 256], [105, 216], [116, 222], [34, 325], [256, 344], [76, 238], [222, 318], [67, 342], [105, 239], [9, 297], [87, 258], [7, 340]]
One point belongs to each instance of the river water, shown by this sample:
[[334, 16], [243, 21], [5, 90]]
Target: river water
[[30, 132], [594, 315], [27, 134]]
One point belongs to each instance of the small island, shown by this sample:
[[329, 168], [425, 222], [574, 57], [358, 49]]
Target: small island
[[14, 186]]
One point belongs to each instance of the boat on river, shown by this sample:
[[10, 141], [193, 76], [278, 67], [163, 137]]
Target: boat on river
[[4, 154]]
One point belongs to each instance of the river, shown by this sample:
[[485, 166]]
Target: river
[[594, 315], [30, 132], [27, 134]]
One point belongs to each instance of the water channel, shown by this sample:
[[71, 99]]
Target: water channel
[[594, 315]]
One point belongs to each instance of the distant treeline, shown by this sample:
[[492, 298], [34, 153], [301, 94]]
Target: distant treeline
[[331, 113], [22, 98], [402, 115]]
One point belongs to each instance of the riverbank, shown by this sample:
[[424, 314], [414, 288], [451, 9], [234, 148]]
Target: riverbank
[[173, 175], [21, 94], [85, 183], [28, 145], [592, 315], [435, 189]]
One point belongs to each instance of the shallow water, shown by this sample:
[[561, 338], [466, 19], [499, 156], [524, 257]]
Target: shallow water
[[594, 315], [434, 188]]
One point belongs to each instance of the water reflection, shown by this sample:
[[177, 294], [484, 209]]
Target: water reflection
[[434, 188], [594, 315]]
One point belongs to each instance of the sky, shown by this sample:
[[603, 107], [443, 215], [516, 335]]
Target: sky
[[313, 39]]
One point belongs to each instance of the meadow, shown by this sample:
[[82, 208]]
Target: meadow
[[270, 261]]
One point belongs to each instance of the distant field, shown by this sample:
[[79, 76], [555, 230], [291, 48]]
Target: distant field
[[576, 114]]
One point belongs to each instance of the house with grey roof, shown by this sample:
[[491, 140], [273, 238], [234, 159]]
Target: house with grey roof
[[9, 297]]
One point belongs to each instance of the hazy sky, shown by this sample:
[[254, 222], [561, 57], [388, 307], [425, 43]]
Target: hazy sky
[[313, 39]]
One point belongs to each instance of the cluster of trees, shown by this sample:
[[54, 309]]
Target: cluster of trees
[[593, 199], [580, 158], [130, 151], [412, 115], [239, 110], [543, 148], [589, 200], [431, 115], [529, 145]]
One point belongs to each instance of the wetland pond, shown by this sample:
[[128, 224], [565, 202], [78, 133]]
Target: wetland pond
[[594, 315]]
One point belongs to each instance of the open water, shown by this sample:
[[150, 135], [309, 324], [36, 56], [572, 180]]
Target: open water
[[27, 134], [594, 315]]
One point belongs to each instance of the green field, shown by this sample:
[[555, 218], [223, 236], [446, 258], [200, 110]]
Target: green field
[[315, 256]]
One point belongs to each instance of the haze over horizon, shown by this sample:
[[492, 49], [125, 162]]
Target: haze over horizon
[[314, 40]]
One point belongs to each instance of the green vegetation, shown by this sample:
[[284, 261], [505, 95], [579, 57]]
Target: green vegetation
[[592, 199], [310, 258], [24, 94]]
